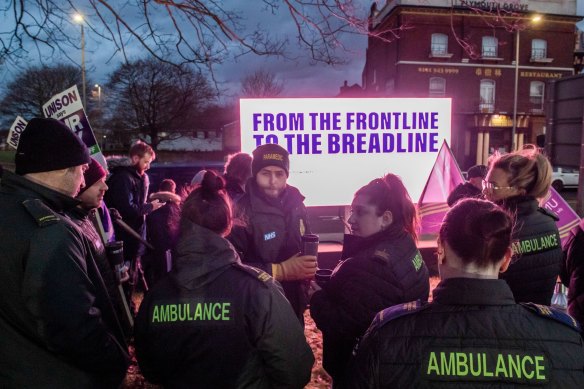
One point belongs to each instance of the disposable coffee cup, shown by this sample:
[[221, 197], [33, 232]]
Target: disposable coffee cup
[[322, 276], [310, 244]]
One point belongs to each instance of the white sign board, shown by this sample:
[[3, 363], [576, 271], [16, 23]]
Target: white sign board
[[338, 145], [15, 130]]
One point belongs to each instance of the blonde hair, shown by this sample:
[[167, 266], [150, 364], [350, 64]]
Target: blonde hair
[[528, 169]]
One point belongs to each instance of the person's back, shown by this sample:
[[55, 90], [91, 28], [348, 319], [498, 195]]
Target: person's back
[[517, 181], [215, 322], [472, 334], [572, 273]]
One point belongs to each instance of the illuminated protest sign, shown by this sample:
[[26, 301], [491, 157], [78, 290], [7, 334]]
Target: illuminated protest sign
[[338, 145], [68, 108]]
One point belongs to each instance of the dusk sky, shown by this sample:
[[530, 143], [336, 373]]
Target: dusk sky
[[300, 77]]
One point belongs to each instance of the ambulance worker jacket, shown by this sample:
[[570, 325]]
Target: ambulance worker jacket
[[472, 335], [57, 325], [381, 270], [269, 231], [127, 193], [215, 323], [537, 252]]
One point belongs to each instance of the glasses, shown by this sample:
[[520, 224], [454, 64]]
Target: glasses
[[490, 186]]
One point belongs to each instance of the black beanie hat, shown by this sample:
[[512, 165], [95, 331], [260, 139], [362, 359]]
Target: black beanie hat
[[269, 155], [94, 173], [46, 145]]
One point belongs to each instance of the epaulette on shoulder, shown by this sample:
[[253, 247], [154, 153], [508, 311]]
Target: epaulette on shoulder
[[40, 212], [257, 274], [549, 213], [381, 255], [552, 313], [399, 310]]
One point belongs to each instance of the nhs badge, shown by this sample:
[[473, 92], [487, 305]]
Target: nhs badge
[[269, 235]]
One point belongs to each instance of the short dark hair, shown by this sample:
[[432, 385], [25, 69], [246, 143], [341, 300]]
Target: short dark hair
[[478, 231], [238, 167], [167, 185], [209, 206], [140, 149], [477, 171]]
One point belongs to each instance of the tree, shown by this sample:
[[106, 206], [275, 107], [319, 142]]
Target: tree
[[261, 83], [199, 32], [157, 99], [33, 87]]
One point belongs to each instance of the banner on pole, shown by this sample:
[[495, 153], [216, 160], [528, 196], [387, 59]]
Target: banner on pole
[[568, 217], [67, 107], [444, 177]]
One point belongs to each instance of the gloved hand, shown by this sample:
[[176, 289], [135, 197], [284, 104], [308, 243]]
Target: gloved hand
[[297, 267]]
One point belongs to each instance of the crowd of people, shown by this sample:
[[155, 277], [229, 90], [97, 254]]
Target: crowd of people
[[226, 282]]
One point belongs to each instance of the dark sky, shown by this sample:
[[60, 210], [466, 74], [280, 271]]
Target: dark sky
[[301, 77]]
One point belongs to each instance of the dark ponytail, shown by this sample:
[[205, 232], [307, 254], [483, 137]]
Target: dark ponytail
[[209, 206]]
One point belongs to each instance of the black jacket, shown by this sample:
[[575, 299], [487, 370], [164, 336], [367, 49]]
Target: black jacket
[[572, 272], [83, 220], [270, 231], [56, 327], [472, 335], [127, 193], [382, 270], [231, 326], [537, 252]]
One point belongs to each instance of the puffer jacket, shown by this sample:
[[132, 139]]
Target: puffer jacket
[[472, 335], [382, 270], [269, 231], [56, 326], [537, 251], [127, 193], [215, 323]]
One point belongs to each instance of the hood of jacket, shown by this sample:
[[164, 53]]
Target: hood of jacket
[[200, 256]]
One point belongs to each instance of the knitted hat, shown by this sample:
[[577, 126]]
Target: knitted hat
[[269, 155], [94, 173], [46, 145], [477, 171]]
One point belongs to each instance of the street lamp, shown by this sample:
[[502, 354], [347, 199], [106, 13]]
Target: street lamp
[[535, 18], [98, 87], [78, 18]]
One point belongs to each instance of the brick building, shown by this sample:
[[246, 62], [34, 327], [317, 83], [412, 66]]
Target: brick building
[[491, 57]]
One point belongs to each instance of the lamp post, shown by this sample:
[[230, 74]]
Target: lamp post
[[79, 19], [98, 87], [534, 18]]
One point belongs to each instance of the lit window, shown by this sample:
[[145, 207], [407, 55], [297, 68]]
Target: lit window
[[439, 44], [536, 93], [490, 45], [538, 49], [487, 96], [437, 87]]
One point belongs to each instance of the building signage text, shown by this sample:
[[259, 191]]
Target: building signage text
[[494, 5], [422, 69]]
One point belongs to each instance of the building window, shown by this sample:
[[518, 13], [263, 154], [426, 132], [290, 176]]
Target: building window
[[538, 49], [437, 87], [490, 45], [439, 44], [487, 104], [536, 94]]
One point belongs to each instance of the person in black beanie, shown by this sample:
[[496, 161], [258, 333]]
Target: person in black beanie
[[473, 188], [57, 325], [271, 221]]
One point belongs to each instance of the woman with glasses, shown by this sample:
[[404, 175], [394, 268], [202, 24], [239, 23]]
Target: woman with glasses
[[518, 181], [382, 267]]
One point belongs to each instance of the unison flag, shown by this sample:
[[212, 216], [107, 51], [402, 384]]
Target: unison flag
[[444, 177], [568, 217]]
